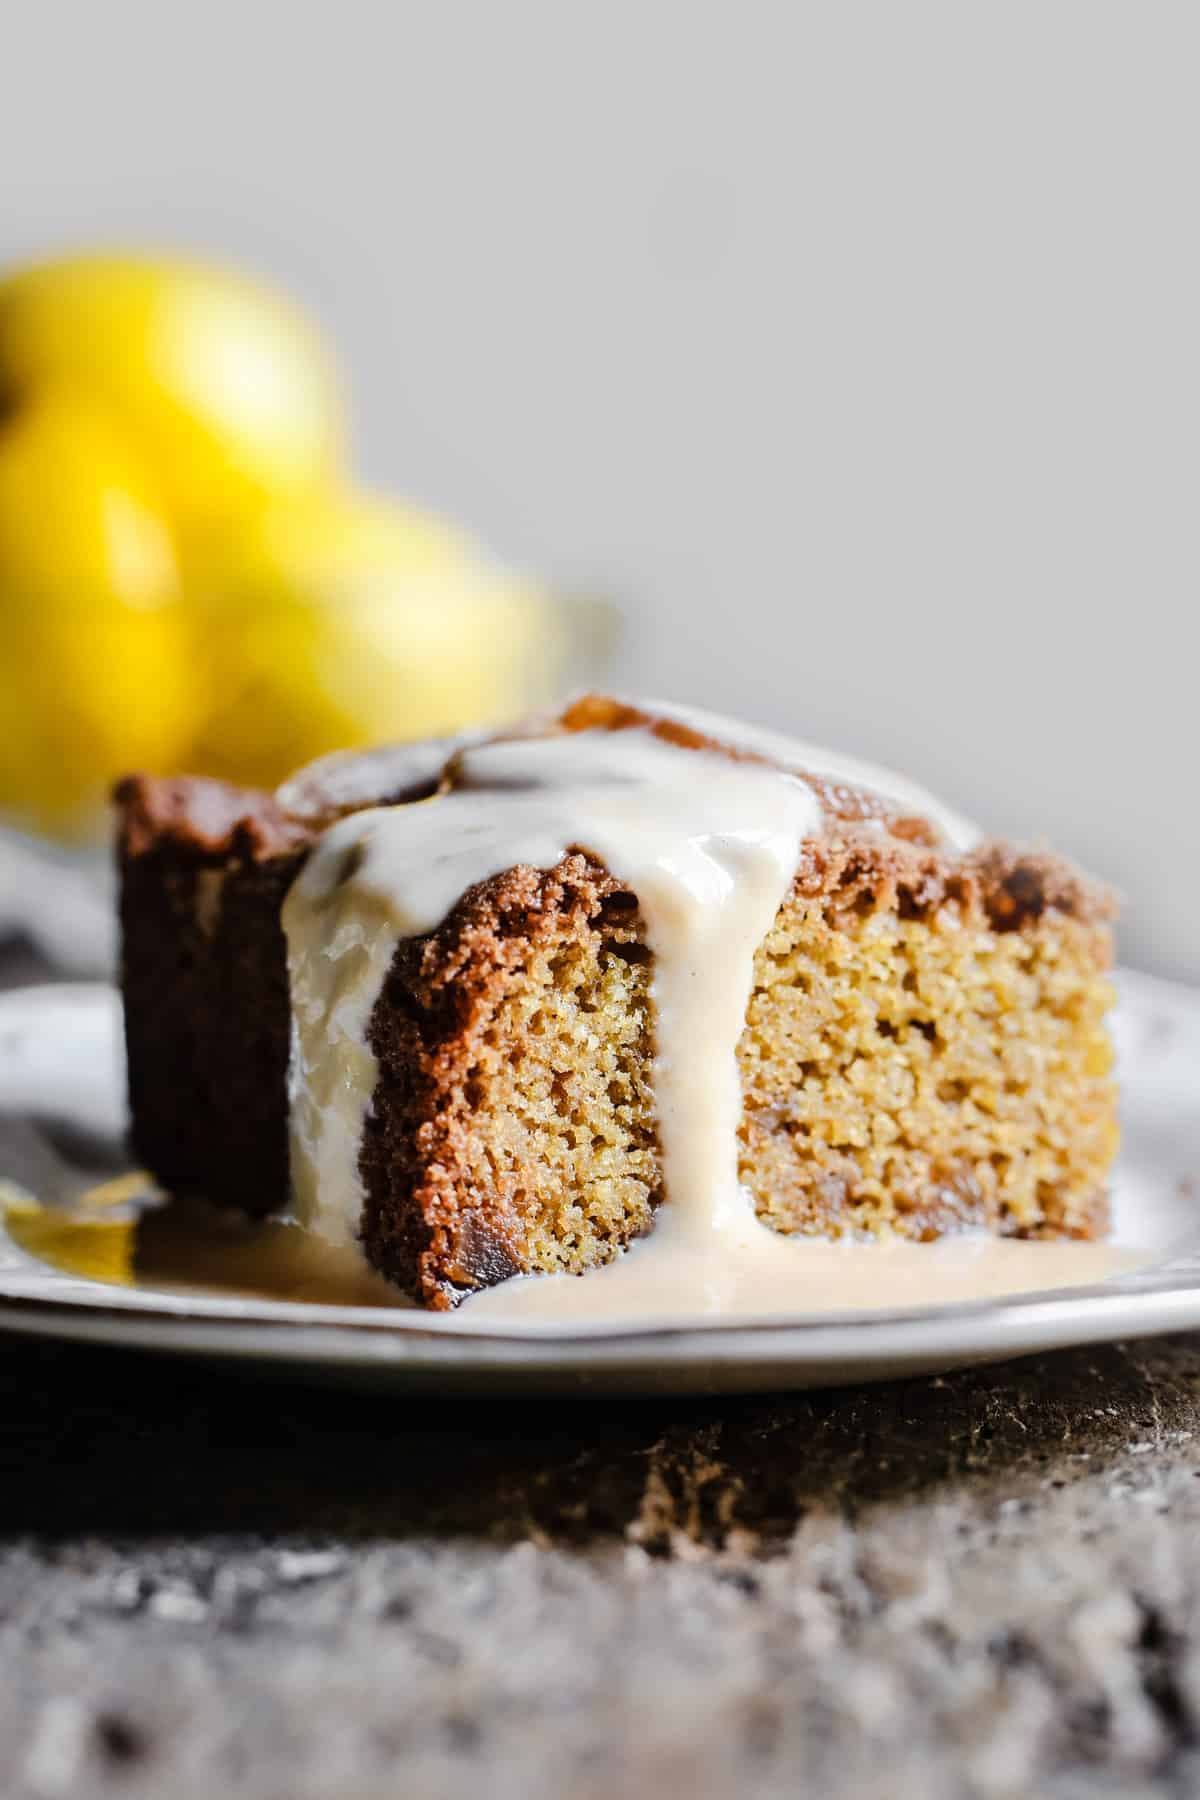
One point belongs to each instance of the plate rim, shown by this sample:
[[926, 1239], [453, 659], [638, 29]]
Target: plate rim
[[993, 1330], [1142, 1303]]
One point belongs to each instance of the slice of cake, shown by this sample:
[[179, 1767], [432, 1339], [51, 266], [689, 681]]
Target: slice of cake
[[488, 1008]]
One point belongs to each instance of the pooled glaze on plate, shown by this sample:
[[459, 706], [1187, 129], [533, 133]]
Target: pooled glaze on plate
[[125, 1234]]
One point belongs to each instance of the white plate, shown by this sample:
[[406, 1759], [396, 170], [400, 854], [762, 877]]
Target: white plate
[[59, 1068]]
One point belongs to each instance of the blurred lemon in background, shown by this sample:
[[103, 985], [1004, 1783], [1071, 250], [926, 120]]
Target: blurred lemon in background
[[350, 619], [189, 579], [93, 635], [225, 387]]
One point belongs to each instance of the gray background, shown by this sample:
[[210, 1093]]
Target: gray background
[[852, 346]]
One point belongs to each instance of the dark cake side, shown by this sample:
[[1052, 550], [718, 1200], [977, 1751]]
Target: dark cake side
[[203, 870]]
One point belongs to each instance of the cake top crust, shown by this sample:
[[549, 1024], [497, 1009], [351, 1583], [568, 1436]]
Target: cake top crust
[[204, 820], [905, 837], [849, 791]]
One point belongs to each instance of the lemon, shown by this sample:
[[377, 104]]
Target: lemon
[[225, 388], [93, 643], [352, 620]]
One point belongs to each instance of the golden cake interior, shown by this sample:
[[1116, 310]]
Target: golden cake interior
[[913, 1075], [562, 1107]]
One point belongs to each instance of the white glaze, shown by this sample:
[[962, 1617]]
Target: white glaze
[[709, 845], [346, 779]]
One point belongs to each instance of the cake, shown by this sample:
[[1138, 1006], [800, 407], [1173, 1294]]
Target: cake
[[504, 1007]]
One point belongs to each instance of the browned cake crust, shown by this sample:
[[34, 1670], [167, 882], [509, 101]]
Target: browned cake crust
[[513, 1124]]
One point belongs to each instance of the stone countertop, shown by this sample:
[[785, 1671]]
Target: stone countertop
[[984, 1584]]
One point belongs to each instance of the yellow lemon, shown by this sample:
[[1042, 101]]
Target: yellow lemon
[[93, 661], [354, 620], [225, 388]]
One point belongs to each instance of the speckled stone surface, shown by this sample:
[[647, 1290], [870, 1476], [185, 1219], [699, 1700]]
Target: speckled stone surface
[[987, 1584]]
